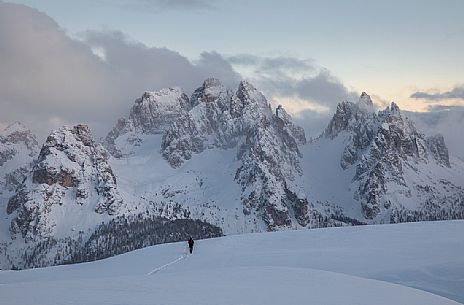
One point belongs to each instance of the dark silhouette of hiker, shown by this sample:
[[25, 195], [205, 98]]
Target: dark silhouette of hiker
[[190, 242]]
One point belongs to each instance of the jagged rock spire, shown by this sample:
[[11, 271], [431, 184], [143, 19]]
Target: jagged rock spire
[[366, 99], [264, 139]]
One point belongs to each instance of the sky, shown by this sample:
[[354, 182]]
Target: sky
[[67, 62]]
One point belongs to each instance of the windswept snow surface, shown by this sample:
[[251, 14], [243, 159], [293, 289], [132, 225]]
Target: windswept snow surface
[[340, 266]]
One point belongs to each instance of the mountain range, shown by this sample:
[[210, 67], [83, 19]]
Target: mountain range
[[218, 162]]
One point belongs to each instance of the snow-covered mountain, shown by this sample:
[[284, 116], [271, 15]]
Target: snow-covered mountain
[[216, 136], [381, 169], [67, 207], [220, 161], [70, 180]]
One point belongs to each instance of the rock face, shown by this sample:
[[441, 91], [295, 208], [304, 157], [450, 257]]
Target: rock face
[[16, 134], [357, 119], [266, 143], [71, 171], [392, 160], [151, 114], [437, 147], [18, 148]]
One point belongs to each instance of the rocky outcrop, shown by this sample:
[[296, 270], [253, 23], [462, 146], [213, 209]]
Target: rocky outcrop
[[71, 169], [18, 134], [154, 111], [358, 120], [16, 140], [437, 147], [151, 114], [266, 142], [294, 135], [382, 147], [18, 148]]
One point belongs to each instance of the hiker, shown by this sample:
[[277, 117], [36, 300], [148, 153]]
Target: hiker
[[190, 242]]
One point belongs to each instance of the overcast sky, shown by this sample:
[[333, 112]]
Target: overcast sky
[[86, 61]]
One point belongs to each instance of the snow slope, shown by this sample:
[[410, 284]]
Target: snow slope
[[351, 265], [205, 187]]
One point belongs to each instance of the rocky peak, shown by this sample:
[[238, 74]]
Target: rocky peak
[[365, 103], [215, 118], [211, 90], [381, 146], [250, 106], [266, 142], [394, 108], [15, 127], [340, 119], [18, 147], [249, 94], [365, 98], [284, 122], [282, 114], [67, 143], [356, 118], [72, 169], [154, 111], [213, 95], [17, 133]]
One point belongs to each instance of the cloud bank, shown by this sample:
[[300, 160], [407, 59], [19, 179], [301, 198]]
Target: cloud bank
[[48, 79], [310, 93], [159, 5], [297, 78], [446, 120], [456, 93]]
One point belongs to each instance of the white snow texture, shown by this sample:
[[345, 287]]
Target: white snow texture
[[410, 264]]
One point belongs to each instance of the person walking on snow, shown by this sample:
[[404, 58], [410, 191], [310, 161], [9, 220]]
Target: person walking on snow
[[190, 243]]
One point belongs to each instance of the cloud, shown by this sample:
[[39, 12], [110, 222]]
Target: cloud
[[446, 120], [143, 67], [43, 72], [315, 98], [47, 78], [443, 108], [313, 122], [456, 93], [286, 77], [273, 65], [160, 5], [309, 92]]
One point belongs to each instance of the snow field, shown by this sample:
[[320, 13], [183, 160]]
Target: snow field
[[357, 265]]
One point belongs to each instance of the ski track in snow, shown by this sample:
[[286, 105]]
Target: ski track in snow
[[167, 265]]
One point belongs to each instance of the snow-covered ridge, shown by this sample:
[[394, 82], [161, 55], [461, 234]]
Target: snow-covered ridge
[[397, 173], [266, 143]]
